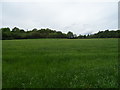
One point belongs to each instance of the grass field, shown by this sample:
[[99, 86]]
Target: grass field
[[60, 63]]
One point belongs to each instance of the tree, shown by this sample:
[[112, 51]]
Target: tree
[[17, 33], [22, 31], [6, 34], [5, 29], [80, 36], [70, 35], [15, 29], [34, 30], [75, 36]]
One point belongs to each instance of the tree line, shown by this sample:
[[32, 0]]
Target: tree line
[[17, 33]]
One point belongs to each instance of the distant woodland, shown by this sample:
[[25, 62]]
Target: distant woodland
[[16, 33]]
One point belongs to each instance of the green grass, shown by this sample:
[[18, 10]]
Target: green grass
[[60, 63]]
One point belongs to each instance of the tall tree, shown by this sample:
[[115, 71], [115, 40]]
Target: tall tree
[[70, 35]]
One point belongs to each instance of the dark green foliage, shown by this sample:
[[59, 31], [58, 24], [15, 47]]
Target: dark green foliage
[[70, 35], [15, 29], [6, 33], [17, 33], [106, 34]]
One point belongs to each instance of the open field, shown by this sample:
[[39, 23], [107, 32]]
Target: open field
[[60, 63]]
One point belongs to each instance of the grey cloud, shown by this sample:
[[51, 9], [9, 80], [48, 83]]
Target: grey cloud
[[79, 17]]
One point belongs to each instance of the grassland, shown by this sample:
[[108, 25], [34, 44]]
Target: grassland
[[60, 63]]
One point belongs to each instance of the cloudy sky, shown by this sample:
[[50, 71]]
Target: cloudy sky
[[78, 16]]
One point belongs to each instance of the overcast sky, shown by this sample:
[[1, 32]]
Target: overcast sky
[[78, 16]]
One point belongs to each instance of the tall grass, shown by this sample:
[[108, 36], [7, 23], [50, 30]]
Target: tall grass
[[60, 63]]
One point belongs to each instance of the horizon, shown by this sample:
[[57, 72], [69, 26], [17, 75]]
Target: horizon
[[58, 30], [77, 17]]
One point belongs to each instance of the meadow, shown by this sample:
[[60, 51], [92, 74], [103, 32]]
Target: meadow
[[60, 63]]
